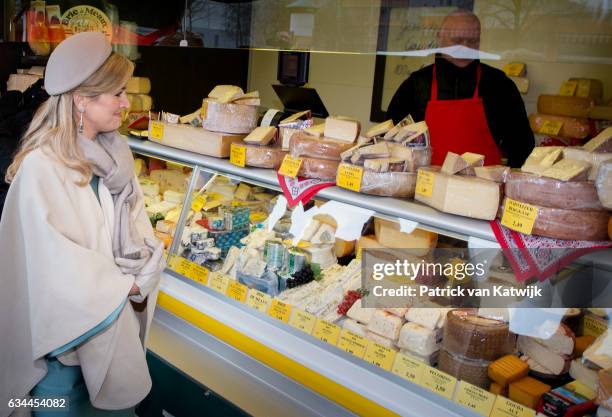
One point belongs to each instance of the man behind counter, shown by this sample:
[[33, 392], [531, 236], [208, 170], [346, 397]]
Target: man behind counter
[[468, 106]]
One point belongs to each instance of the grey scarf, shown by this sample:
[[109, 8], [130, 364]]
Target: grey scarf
[[112, 161]]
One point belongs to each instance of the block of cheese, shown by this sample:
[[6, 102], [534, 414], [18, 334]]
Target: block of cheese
[[384, 165], [599, 352], [414, 157], [379, 150], [469, 370], [420, 242], [385, 324], [568, 170], [138, 85], [360, 314], [228, 117], [541, 158], [522, 84], [175, 197], [381, 340], [508, 369], [595, 159], [497, 173], [589, 88], [169, 179], [601, 112], [418, 339], [388, 184], [580, 372], [527, 391], [600, 143], [392, 132], [476, 337], [453, 163], [582, 343], [195, 139], [413, 133], [343, 129], [322, 255], [425, 317], [352, 326], [323, 169], [225, 93], [304, 145], [343, 247], [565, 224], [465, 196], [565, 106], [571, 127], [149, 187], [553, 363], [497, 389], [316, 130], [261, 135], [379, 129], [473, 159], [263, 156], [242, 192]]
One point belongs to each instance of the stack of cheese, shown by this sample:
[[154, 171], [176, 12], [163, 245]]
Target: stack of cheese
[[570, 112], [383, 326], [295, 123], [228, 109], [261, 148], [462, 186], [548, 357], [138, 89], [505, 371], [421, 336], [389, 165], [320, 151], [470, 343], [318, 240], [567, 203]]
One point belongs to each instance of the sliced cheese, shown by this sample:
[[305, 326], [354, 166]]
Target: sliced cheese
[[473, 159], [412, 132], [567, 170], [379, 129], [316, 130], [542, 158], [296, 116], [342, 129], [497, 173], [225, 93], [595, 159], [600, 143], [262, 135], [393, 131], [453, 163]]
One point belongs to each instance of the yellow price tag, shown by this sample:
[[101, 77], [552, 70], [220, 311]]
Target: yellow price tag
[[237, 291], [519, 216], [290, 166], [198, 203], [408, 368], [584, 88], [326, 331], [425, 183], [353, 343], [514, 69], [551, 127], [438, 382], [349, 177], [593, 325], [180, 265], [280, 311], [157, 130], [568, 88], [219, 282], [196, 272], [238, 155], [258, 300], [302, 320], [379, 355], [504, 407], [475, 398]]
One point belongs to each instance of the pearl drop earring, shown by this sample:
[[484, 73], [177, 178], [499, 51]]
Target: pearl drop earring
[[81, 120]]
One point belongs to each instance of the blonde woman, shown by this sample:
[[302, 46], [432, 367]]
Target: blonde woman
[[77, 251]]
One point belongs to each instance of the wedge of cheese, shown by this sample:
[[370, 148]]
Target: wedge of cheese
[[600, 143], [392, 132], [419, 242], [567, 170], [453, 163], [542, 158], [225, 93], [497, 173], [343, 129], [316, 130], [262, 135], [379, 129], [594, 158]]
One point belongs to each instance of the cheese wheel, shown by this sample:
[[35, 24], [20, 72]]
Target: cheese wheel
[[569, 224], [604, 184], [302, 144], [473, 371], [228, 117], [323, 169], [474, 337], [571, 127], [549, 192], [565, 106], [388, 184], [263, 156]]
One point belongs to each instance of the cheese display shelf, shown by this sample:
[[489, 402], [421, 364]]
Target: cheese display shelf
[[252, 311]]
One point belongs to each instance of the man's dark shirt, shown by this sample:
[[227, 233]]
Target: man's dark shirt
[[503, 105]]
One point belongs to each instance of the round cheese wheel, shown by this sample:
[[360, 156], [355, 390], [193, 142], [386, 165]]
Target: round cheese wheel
[[263, 156], [549, 192], [228, 117], [474, 337], [324, 169], [388, 184], [303, 144], [473, 371], [570, 224]]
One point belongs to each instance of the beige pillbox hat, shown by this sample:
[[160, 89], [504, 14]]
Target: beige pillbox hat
[[74, 60]]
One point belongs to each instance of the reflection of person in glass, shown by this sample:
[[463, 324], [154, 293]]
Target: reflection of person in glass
[[468, 106]]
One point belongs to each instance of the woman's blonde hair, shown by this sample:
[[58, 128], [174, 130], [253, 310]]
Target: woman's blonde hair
[[54, 125]]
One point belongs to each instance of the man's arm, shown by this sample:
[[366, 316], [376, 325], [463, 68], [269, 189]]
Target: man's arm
[[402, 102]]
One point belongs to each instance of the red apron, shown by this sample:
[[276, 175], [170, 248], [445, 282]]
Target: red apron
[[459, 126]]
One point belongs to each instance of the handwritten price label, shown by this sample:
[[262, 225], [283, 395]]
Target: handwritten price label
[[238, 155], [353, 343], [157, 130], [438, 382], [380, 356], [290, 166], [504, 407], [568, 88], [280, 311], [326, 331], [425, 183], [349, 177], [519, 216], [219, 282], [258, 300], [196, 272], [237, 291], [551, 127], [408, 368], [475, 398], [514, 69], [302, 320]]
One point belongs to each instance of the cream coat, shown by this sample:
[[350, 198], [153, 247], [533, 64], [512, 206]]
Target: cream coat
[[58, 279]]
